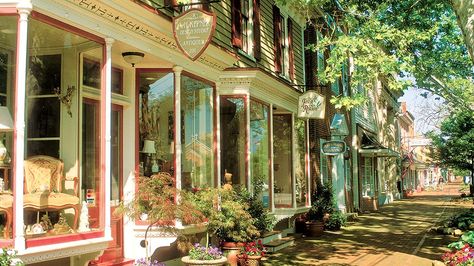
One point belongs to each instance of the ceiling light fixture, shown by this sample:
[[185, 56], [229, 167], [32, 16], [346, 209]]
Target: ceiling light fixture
[[133, 57]]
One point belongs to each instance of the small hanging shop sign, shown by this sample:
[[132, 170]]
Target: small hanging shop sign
[[333, 147], [311, 105], [193, 31]]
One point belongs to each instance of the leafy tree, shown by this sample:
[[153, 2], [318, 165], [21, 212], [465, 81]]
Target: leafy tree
[[455, 142], [408, 43]]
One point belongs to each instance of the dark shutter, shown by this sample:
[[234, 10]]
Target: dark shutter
[[236, 24], [291, 55], [256, 29], [206, 6], [277, 38]]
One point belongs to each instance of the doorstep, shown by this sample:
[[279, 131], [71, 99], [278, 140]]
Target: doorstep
[[278, 244]]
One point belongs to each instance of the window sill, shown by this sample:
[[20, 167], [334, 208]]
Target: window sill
[[244, 54]]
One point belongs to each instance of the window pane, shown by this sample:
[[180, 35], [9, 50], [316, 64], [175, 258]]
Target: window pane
[[259, 148], [282, 160], [44, 75], [197, 116], [91, 73], [300, 164], [43, 117], [43, 147], [156, 116], [116, 136], [233, 139]]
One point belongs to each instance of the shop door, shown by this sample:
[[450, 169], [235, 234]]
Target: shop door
[[113, 255]]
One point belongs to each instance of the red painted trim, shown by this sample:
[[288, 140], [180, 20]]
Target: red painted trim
[[103, 114], [4, 243], [67, 238], [8, 11], [69, 28]]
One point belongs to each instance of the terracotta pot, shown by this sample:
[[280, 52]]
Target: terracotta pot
[[249, 260], [315, 228], [187, 261], [231, 250]]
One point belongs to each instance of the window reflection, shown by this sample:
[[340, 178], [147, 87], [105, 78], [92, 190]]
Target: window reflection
[[233, 139], [300, 163], [259, 148], [282, 134]]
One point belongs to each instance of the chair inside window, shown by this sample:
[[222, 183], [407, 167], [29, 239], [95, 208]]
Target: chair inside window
[[44, 186], [6, 207]]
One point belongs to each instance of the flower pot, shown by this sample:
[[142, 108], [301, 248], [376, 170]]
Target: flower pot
[[231, 250], [315, 228], [187, 261], [247, 260]]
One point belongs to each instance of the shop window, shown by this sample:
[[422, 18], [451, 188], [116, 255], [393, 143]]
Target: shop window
[[323, 165], [300, 163], [260, 148], [117, 80], [7, 84], [156, 121], [282, 154], [197, 115], [61, 133], [283, 44], [368, 189], [233, 122], [246, 26]]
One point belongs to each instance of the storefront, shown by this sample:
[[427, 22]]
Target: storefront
[[87, 121]]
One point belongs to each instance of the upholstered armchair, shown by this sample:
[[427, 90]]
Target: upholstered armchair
[[44, 184], [6, 206]]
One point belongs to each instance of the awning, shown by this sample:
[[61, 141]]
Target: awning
[[371, 147]]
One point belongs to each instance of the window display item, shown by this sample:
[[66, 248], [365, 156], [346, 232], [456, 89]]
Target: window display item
[[84, 219]]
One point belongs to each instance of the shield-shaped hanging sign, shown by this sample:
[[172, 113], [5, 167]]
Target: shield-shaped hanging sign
[[193, 31]]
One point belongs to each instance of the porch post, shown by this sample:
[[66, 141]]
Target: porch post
[[177, 124], [108, 113], [24, 9]]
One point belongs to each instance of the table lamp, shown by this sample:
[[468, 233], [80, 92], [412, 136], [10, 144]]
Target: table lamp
[[148, 149], [6, 125]]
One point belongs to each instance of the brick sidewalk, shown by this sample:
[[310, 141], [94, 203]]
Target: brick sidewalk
[[396, 235]]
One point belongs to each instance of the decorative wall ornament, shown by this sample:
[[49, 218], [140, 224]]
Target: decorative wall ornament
[[66, 98]]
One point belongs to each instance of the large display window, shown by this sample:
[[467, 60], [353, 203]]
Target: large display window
[[233, 120], [260, 148], [301, 175], [8, 37], [282, 154], [63, 192], [197, 131]]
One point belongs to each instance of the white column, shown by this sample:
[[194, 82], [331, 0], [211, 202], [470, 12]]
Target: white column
[[177, 124], [271, 191], [294, 159], [108, 114], [218, 134], [24, 9]]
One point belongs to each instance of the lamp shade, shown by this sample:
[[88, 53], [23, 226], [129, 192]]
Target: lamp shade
[[6, 122], [133, 57], [149, 146]]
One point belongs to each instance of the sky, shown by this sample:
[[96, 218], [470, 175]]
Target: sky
[[426, 108]]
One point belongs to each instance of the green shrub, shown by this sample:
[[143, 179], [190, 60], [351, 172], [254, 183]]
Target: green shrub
[[322, 203], [336, 220], [462, 220]]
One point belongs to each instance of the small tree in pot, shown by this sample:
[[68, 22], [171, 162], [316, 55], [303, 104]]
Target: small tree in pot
[[322, 206]]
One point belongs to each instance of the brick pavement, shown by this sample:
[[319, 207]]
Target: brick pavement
[[398, 234]]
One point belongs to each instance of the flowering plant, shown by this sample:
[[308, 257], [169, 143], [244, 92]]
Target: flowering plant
[[147, 262], [8, 257], [254, 249], [464, 256], [199, 252]]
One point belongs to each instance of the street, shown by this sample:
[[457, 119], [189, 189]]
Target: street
[[398, 234]]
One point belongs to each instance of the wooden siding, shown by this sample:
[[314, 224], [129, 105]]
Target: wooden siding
[[223, 38]]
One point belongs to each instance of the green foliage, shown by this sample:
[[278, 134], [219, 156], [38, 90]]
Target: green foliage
[[466, 238], [409, 43], [8, 258], [264, 221], [228, 216], [323, 202], [455, 142], [461, 220], [336, 220]]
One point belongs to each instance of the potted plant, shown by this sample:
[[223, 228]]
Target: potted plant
[[322, 207], [252, 253], [156, 201], [8, 257], [336, 220], [228, 219], [204, 255]]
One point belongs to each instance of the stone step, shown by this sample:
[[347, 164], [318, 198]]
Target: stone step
[[278, 244], [270, 236]]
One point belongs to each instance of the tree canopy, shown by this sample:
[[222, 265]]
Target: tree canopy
[[455, 142], [410, 43]]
